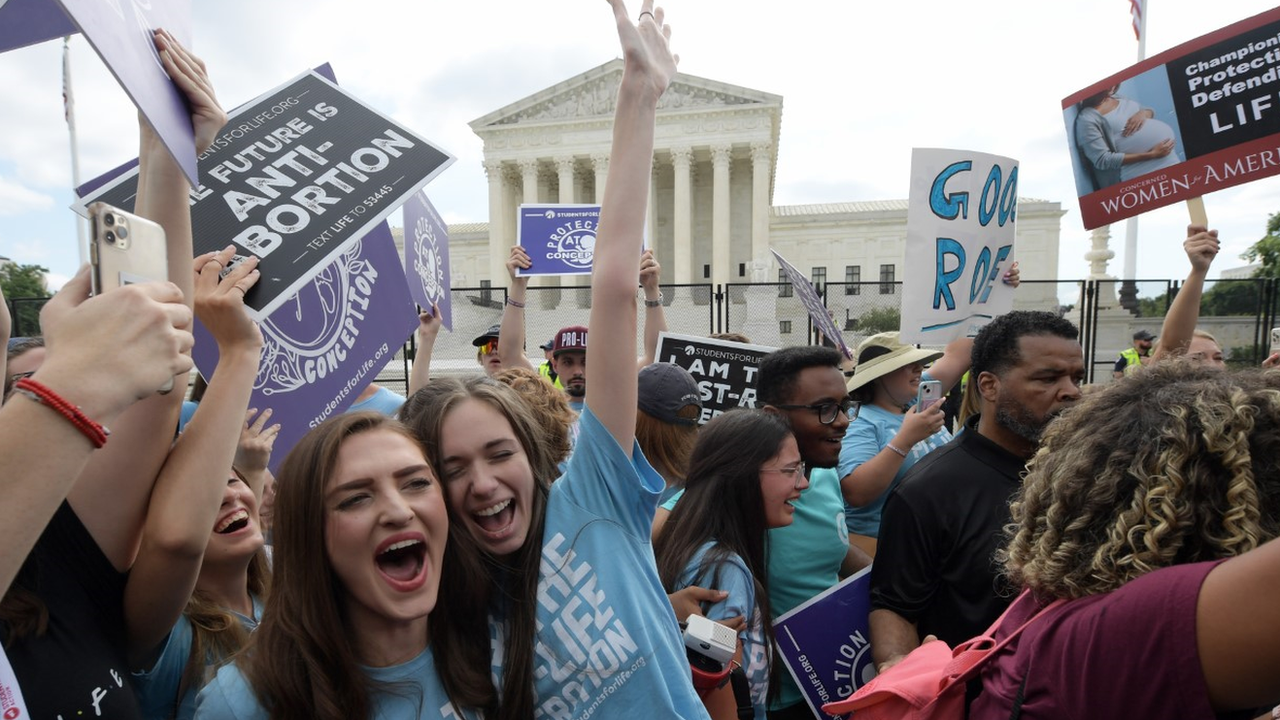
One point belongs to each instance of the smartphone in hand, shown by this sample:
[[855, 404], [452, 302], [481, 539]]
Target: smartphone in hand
[[930, 392]]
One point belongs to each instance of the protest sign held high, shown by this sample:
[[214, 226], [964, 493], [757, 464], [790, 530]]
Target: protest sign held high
[[295, 178], [813, 304], [426, 257], [560, 239], [329, 340], [27, 22], [960, 230], [824, 642], [725, 371], [1198, 118]]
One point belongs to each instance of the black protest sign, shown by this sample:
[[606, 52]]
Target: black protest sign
[[295, 178], [724, 370]]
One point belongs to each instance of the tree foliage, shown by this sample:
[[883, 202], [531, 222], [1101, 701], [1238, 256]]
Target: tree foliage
[[878, 320], [21, 285], [1267, 250]]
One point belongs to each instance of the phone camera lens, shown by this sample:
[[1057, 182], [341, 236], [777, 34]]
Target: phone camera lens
[[122, 232], [108, 219], [110, 237]]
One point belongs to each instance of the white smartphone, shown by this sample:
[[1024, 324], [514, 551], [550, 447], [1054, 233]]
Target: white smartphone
[[125, 249], [1275, 341], [930, 392]]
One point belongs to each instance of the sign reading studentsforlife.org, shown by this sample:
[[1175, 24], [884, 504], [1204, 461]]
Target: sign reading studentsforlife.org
[[560, 239], [426, 257], [725, 371], [294, 179], [825, 645], [960, 230], [329, 340], [1210, 108]]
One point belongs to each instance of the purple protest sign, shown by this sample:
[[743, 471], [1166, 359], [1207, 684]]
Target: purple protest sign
[[121, 33], [824, 642], [817, 311], [27, 22], [327, 342], [426, 257], [560, 239]]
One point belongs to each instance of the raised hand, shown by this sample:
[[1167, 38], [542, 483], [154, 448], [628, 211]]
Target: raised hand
[[645, 47], [650, 273], [219, 301], [1201, 247], [257, 439], [518, 259], [190, 76]]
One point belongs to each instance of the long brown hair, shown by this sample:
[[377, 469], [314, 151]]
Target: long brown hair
[[512, 583], [215, 631], [666, 445], [301, 662]]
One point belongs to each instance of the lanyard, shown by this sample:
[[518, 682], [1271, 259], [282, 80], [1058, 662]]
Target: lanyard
[[12, 705]]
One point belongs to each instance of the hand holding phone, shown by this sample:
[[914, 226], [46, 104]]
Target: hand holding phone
[[930, 392]]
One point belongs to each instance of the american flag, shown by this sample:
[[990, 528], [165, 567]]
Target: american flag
[[1135, 9], [68, 101]]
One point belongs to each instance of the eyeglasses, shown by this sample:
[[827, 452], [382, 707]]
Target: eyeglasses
[[488, 348], [795, 472], [828, 411]]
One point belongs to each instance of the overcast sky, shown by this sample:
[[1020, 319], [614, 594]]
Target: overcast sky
[[862, 84]]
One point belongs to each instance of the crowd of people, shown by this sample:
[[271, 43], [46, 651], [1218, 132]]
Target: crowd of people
[[530, 541]]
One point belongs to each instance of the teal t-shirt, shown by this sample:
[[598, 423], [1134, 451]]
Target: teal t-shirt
[[866, 437], [608, 643], [420, 696]]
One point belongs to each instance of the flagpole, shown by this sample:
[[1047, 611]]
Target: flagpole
[[69, 103], [1131, 225]]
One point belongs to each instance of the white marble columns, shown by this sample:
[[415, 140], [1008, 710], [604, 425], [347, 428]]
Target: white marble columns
[[682, 215], [720, 262]]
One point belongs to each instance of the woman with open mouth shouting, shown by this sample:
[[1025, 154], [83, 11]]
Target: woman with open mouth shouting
[[358, 561], [584, 628]]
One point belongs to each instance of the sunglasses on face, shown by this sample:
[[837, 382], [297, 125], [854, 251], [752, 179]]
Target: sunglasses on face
[[488, 348]]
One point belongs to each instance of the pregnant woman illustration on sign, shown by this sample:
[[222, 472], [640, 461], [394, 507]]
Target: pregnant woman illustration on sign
[[1119, 139]]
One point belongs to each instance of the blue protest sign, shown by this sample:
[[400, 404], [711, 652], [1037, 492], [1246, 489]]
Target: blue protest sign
[[560, 239], [426, 257], [329, 340], [825, 642], [813, 304]]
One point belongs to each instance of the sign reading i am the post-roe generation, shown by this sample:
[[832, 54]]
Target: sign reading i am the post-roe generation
[[960, 230], [1201, 117], [295, 178], [725, 371]]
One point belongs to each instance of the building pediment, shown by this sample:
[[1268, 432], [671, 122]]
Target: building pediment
[[593, 94]]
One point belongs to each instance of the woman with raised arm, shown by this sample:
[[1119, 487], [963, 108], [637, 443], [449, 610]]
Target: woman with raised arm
[[584, 627]]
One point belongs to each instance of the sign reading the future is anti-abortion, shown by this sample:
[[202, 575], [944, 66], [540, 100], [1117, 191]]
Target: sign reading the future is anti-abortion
[[329, 340], [295, 178], [960, 229], [824, 642], [426, 257], [560, 239], [1198, 118], [724, 370]]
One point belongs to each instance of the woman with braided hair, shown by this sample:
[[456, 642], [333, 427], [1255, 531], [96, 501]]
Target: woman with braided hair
[[1152, 507]]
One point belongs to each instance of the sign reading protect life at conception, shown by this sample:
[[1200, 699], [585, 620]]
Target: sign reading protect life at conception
[[560, 239], [960, 229], [1198, 118], [295, 178]]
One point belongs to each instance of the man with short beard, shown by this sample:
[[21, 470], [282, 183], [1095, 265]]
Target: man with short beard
[[934, 572]]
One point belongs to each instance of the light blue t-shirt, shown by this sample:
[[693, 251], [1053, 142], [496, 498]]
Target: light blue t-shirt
[[866, 437], [804, 557], [608, 644], [420, 696], [384, 401], [731, 575], [157, 688]]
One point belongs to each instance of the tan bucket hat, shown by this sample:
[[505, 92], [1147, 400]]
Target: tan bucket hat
[[890, 354]]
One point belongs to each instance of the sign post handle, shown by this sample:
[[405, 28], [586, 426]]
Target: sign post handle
[[1195, 207]]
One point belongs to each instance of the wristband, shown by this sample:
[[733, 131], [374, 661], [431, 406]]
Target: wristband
[[654, 303], [896, 449], [39, 392], [515, 303]]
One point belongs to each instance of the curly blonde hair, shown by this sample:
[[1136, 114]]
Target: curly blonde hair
[[1177, 464], [548, 403]]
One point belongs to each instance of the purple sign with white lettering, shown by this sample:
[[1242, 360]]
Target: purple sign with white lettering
[[121, 33], [426, 257], [817, 311], [329, 341], [560, 239], [825, 642], [27, 22]]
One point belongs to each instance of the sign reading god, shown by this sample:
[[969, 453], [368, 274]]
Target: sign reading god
[[724, 370], [295, 178], [1200, 117], [960, 229], [426, 257], [329, 340], [825, 642], [812, 303], [560, 239]]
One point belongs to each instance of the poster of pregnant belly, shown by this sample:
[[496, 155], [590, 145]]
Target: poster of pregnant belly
[[1200, 117]]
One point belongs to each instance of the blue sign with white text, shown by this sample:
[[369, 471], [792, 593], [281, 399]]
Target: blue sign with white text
[[560, 239]]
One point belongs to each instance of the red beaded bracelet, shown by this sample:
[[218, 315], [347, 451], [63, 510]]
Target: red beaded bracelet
[[39, 392]]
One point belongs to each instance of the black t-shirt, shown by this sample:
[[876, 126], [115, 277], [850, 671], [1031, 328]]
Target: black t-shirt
[[77, 668], [938, 534]]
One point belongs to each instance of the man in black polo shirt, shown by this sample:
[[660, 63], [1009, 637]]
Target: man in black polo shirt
[[934, 572]]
